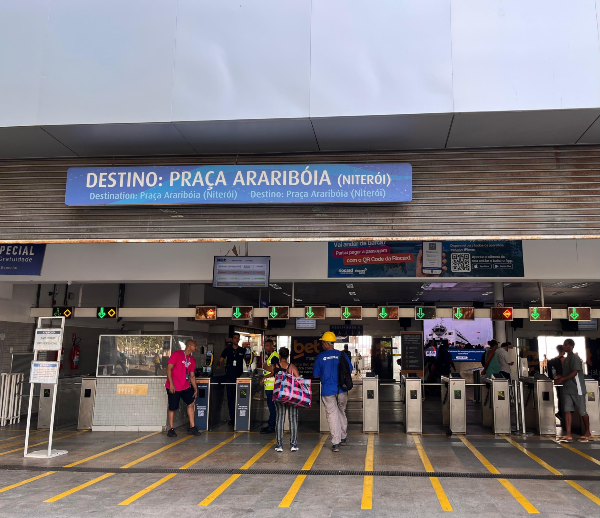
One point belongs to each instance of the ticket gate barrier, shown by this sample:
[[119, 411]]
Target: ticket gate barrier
[[413, 404], [243, 398], [495, 404], [538, 404], [592, 407], [370, 397], [454, 407], [202, 407]]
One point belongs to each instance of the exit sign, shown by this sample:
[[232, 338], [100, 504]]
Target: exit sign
[[279, 312], [580, 314], [540, 314], [242, 312], [463, 313], [387, 312], [505, 314], [105, 312], [62, 311], [206, 312], [425, 313], [351, 313], [314, 312]]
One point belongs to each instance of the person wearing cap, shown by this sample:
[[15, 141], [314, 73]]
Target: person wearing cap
[[491, 360], [334, 398]]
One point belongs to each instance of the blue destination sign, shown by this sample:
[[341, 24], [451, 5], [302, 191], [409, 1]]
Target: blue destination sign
[[164, 185], [22, 259]]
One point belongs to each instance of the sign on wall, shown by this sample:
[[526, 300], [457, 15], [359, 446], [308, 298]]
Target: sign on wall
[[291, 183], [360, 259], [44, 372], [48, 340], [21, 259], [305, 350], [132, 389]]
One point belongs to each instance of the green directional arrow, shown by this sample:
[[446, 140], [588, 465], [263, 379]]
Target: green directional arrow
[[102, 313], [237, 313], [310, 313], [346, 314], [459, 313], [56, 312], [420, 313], [535, 314], [273, 313], [383, 313], [574, 315]]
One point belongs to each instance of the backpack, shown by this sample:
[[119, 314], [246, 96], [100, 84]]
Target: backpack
[[344, 374]]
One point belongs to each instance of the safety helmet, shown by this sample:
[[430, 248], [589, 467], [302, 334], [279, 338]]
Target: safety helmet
[[328, 336]]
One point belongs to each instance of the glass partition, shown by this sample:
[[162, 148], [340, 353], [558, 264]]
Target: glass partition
[[137, 355]]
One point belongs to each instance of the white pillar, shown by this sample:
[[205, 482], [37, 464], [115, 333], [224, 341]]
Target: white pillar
[[499, 326]]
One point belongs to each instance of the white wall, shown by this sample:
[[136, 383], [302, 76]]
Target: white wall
[[130, 61]]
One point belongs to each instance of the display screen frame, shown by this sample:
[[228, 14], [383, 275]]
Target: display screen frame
[[241, 260]]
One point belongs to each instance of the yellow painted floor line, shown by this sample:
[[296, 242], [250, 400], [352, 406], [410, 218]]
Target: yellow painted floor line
[[437, 486], [552, 470], [168, 477], [578, 452], [367, 495], [26, 481], [515, 493], [54, 439], [106, 475], [22, 435], [295, 487], [212, 497]]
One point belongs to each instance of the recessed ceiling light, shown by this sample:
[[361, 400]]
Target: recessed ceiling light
[[415, 300], [419, 293], [351, 293], [298, 300], [356, 300], [349, 286]]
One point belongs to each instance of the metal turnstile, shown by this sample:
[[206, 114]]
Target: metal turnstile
[[67, 403], [413, 404], [454, 407], [370, 396], [86, 404], [592, 406], [243, 397], [495, 404], [538, 404], [202, 406]]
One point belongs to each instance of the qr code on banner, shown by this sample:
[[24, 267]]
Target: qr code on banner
[[460, 262]]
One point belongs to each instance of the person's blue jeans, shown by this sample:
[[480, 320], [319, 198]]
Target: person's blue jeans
[[271, 405]]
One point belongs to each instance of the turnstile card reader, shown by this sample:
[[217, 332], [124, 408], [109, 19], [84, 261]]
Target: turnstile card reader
[[413, 404], [592, 407], [495, 404], [202, 403], [454, 407], [539, 404], [243, 397], [370, 394]]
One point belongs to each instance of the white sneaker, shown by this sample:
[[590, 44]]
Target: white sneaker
[[294, 447], [279, 447]]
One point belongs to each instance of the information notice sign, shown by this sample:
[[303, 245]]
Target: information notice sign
[[48, 340], [44, 372], [411, 345]]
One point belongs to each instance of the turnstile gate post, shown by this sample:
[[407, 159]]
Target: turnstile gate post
[[454, 408], [202, 407], [370, 396], [495, 404], [538, 394], [243, 397], [592, 406], [413, 404]]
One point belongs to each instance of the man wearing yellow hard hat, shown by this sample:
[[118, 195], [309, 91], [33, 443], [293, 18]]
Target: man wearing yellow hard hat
[[334, 388]]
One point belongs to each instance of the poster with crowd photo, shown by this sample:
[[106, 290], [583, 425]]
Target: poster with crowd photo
[[362, 259], [305, 350]]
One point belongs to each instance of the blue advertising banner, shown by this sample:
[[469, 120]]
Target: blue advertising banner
[[360, 259], [318, 183], [21, 259]]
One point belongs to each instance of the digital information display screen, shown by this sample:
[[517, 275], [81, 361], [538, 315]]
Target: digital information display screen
[[241, 272], [306, 323]]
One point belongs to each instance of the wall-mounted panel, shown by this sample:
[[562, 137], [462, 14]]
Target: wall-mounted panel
[[380, 57], [241, 59]]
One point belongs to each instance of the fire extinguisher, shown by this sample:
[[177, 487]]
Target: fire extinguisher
[[75, 350]]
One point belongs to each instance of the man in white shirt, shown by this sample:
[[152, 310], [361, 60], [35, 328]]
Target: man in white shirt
[[504, 362]]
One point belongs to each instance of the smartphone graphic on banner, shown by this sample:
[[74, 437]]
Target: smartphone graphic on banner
[[432, 257]]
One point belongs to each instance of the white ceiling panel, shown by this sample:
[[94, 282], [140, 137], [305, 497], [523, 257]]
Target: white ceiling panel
[[380, 57], [241, 59], [250, 136], [22, 36], [379, 133], [525, 55], [527, 128], [30, 142], [122, 139], [109, 61]]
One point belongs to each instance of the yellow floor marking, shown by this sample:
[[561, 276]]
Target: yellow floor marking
[[106, 475], [515, 493], [26, 481], [439, 490], [211, 498], [43, 442], [22, 435], [367, 495], [160, 482], [578, 452], [573, 484], [295, 487]]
